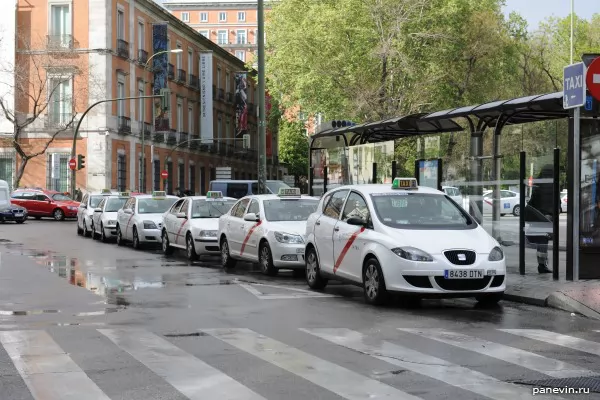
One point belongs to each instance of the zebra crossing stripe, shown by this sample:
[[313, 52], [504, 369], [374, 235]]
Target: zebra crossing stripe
[[424, 364], [192, 377], [48, 372], [553, 338], [341, 381], [526, 359]]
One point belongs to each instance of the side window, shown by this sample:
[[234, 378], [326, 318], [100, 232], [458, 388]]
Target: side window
[[355, 207], [175, 207], [17, 196], [41, 197], [85, 199], [101, 204], [325, 201], [129, 204], [237, 190], [184, 207], [240, 211], [254, 207], [333, 208], [29, 196]]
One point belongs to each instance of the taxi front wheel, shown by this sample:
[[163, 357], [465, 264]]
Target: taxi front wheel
[[226, 261], [266, 260], [313, 275], [374, 284], [166, 246]]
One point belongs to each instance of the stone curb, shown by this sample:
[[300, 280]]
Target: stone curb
[[557, 300], [517, 298]]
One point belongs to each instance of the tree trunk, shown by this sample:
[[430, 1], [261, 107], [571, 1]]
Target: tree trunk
[[20, 171]]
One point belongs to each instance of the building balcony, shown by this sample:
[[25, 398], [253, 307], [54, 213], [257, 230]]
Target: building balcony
[[124, 125], [181, 75], [60, 42], [239, 46], [229, 97], [171, 72], [147, 130], [194, 142], [171, 137], [214, 92], [142, 56], [159, 137], [59, 121], [193, 81], [183, 138], [122, 48], [221, 95]]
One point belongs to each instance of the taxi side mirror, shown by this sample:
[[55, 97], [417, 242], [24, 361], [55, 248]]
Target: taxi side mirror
[[97, 210], [356, 221], [181, 215], [252, 217]]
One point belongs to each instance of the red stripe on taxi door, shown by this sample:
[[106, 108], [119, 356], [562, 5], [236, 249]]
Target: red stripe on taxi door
[[351, 240], [128, 221], [250, 232], [179, 231]]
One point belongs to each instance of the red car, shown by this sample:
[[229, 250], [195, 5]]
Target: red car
[[45, 203]]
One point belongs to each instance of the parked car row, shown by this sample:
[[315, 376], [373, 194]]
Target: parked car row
[[397, 238]]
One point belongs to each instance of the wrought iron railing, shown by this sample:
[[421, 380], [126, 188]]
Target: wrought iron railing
[[124, 124], [142, 56], [122, 48]]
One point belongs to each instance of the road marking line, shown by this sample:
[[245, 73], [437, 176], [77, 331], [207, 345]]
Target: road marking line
[[300, 293], [526, 359], [347, 246], [250, 232], [557, 339], [339, 380], [189, 375], [48, 372], [424, 364]]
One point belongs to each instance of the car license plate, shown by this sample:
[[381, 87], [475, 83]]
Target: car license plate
[[18, 214], [463, 274], [299, 251]]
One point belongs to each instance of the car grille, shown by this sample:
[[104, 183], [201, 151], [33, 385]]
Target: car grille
[[418, 281], [462, 284], [461, 257]]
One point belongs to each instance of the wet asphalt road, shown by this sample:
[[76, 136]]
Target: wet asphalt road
[[82, 319]]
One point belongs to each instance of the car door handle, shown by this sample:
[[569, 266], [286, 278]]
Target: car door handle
[[317, 223], [336, 229]]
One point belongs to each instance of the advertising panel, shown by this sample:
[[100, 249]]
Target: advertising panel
[[160, 65], [206, 100], [241, 103]]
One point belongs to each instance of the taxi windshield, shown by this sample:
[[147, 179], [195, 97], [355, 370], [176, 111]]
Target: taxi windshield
[[60, 197], [210, 208], [155, 206], [406, 210], [113, 205], [95, 200], [289, 210]]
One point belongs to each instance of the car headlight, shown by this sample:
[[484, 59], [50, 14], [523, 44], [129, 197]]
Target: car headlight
[[412, 254], [288, 238], [208, 234], [496, 254], [150, 225], [111, 222]]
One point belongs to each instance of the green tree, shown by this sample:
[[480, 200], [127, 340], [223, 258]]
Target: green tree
[[293, 147]]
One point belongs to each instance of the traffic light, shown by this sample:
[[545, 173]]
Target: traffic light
[[246, 141], [341, 124], [165, 99], [80, 161]]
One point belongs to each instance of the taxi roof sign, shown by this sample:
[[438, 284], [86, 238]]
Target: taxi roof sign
[[214, 195], [106, 191], [405, 184], [159, 194], [289, 192], [125, 194]]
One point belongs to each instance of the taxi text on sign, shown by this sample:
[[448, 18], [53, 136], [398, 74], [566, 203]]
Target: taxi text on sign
[[592, 78], [574, 86]]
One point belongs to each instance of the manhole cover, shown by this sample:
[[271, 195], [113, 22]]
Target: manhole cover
[[588, 382]]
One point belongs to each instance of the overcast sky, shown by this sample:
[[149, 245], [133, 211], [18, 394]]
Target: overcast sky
[[534, 11]]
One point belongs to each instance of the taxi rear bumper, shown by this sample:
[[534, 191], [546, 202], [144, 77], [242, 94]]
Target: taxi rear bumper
[[429, 278]]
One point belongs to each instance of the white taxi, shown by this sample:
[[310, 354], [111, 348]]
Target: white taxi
[[104, 221], [85, 212], [402, 238], [268, 229], [192, 223], [140, 219]]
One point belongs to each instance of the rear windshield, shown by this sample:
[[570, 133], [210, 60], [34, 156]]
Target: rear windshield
[[405, 210], [115, 204], [60, 197], [155, 206], [289, 209]]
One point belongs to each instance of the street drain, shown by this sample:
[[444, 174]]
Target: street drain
[[591, 383], [185, 334]]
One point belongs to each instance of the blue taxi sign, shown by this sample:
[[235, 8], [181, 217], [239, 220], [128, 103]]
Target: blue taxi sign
[[214, 195], [159, 195], [405, 184], [106, 191], [289, 192]]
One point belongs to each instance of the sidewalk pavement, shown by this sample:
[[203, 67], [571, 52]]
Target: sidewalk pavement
[[582, 297]]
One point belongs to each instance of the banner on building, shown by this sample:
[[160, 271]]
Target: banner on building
[[160, 65], [241, 103], [206, 100], [269, 134]]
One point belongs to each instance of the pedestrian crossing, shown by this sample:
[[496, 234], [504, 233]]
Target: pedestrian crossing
[[337, 362]]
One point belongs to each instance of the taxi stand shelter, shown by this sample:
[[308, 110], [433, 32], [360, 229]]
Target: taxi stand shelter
[[493, 115]]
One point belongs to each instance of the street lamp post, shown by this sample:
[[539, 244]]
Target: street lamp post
[[262, 128], [143, 118]]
